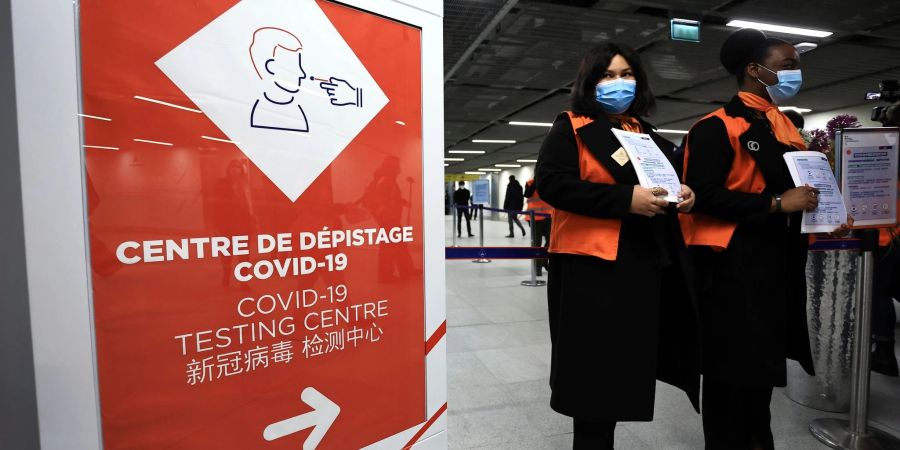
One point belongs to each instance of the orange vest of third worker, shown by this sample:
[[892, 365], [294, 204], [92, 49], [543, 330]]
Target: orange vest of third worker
[[536, 204], [886, 235], [581, 235], [701, 229]]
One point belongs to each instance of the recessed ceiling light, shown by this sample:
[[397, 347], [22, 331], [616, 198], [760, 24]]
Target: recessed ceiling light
[[218, 139], [489, 169], [171, 105], [531, 124], [778, 28], [507, 165], [167, 144], [794, 108], [473, 152], [454, 159], [665, 131], [493, 141], [526, 160], [804, 47], [101, 147], [475, 173], [88, 116]]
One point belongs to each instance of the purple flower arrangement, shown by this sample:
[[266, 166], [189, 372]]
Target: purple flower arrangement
[[819, 140]]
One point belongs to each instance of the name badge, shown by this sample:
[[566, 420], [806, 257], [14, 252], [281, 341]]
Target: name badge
[[621, 156]]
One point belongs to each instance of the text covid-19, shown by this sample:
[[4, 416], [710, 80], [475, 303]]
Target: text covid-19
[[197, 248]]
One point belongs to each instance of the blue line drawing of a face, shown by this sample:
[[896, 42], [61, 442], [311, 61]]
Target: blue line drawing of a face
[[278, 108]]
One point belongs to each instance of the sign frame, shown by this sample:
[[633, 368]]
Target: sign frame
[[841, 169]]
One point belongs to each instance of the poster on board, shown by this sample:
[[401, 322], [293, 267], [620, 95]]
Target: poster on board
[[868, 163], [254, 176], [481, 192]]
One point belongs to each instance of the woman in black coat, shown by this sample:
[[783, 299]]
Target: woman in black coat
[[622, 313], [745, 236]]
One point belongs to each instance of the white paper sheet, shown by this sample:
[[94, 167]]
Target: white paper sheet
[[652, 167], [812, 168]]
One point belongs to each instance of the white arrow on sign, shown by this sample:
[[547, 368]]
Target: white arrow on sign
[[321, 417]]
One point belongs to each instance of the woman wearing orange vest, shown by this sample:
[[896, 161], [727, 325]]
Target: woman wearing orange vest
[[540, 231], [622, 314], [745, 236]]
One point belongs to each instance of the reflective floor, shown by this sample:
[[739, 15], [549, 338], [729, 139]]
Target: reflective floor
[[499, 361]]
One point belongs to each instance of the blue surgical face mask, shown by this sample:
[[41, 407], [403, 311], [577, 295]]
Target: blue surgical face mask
[[615, 96], [788, 85]]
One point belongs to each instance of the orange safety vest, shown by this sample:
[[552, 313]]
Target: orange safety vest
[[885, 235], [536, 204], [701, 229], [582, 235]]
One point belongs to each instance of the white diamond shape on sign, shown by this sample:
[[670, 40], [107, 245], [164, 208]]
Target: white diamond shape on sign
[[279, 80]]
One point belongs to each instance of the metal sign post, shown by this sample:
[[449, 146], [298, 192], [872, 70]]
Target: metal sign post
[[871, 202]]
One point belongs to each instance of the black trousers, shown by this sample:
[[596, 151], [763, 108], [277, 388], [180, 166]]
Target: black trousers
[[886, 288], [460, 212], [593, 435], [736, 417], [541, 238], [514, 218]]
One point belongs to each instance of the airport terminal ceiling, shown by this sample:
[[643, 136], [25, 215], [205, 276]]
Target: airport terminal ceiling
[[513, 60]]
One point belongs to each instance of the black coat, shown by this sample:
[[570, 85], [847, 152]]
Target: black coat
[[752, 295], [514, 196], [616, 326]]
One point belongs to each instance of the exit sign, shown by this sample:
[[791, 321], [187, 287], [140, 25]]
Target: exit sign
[[685, 30]]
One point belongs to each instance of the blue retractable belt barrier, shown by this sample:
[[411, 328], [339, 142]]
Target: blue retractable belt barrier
[[826, 243], [515, 211], [495, 252]]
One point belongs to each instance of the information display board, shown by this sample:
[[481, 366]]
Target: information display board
[[255, 192], [481, 192], [867, 159]]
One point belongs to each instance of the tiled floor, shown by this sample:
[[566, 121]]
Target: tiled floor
[[499, 360]]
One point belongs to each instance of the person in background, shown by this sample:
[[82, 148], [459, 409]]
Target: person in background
[[540, 236], [745, 236], [513, 201], [461, 198], [622, 312], [886, 289], [796, 118]]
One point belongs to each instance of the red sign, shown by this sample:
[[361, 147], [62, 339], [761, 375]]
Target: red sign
[[254, 177]]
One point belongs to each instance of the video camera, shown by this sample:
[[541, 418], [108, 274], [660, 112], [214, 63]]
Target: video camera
[[889, 91]]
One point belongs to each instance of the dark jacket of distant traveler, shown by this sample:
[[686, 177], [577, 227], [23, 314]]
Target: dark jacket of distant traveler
[[461, 197], [514, 199], [622, 314]]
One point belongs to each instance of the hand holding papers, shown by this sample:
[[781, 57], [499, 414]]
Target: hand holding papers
[[651, 165], [812, 169]]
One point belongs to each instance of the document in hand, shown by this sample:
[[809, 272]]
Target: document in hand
[[812, 168], [651, 164]]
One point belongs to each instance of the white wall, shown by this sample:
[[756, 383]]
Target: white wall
[[55, 240], [862, 112]]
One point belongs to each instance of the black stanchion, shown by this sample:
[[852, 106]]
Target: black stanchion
[[455, 212], [482, 257], [533, 282], [856, 434]]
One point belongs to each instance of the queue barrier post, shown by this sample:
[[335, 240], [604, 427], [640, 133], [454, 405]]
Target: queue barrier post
[[455, 213], [856, 434], [482, 257], [533, 282]]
